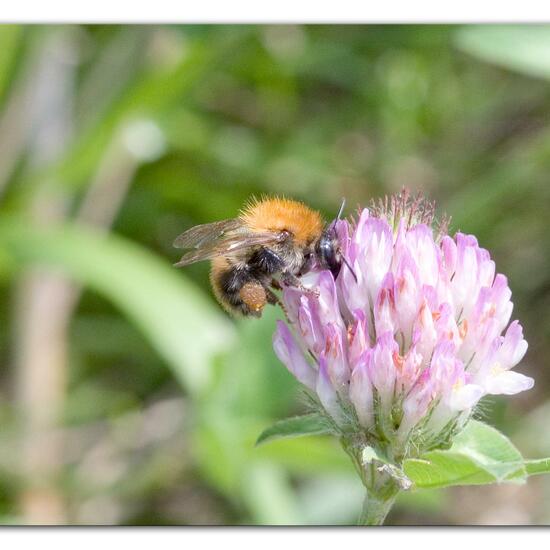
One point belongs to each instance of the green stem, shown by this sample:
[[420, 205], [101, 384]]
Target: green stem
[[381, 482], [376, 507]]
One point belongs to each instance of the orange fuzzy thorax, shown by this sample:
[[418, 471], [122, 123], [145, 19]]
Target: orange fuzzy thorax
[[276, 214]]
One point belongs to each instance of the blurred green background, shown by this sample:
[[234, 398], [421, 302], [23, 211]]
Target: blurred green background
[[127, 396]]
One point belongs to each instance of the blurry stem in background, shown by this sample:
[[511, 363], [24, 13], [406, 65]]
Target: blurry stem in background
[[110, 74], [15, 120], [45, 301], [109, 187], [102, 202], [41, 322]]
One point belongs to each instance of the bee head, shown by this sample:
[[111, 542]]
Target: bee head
[[328, 250]]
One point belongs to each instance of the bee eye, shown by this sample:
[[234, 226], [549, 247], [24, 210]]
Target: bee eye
[[327, 250]]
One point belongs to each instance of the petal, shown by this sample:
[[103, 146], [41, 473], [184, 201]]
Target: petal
[[407, 294], [411, 369], [342, 229], [424, 332], [486, 267], [421, 245], [382, 370], [465, 397], [416, 403], [463, 285], [448, 247], [385, 314], [513, 347], [291, 355], [474, 270], [446, 326], [358, 338], [310, 325], [373, 240], [508, 383], [336, 360], [500, 297], [292, 299], [327, 393], [360, 393], [328, 306]]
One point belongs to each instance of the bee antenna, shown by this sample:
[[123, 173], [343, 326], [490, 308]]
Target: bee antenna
[[348, 265], [333, 224], [341, 208]]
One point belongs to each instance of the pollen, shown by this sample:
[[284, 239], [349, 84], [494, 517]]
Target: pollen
[[279, 214]]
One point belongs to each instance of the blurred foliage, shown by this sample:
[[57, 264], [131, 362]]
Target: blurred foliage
[[164, 394]]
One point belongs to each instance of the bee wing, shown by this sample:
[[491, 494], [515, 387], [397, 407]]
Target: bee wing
[[239, 239], [201, 235]]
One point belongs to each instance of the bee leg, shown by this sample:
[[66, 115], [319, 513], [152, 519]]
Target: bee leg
[[288, 279], [276, 284], [273, 299], [254, 297]]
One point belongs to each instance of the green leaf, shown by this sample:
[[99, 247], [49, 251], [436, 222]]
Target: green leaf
[[181, 324], [479, 455], [537, 466], [522, 48], [489, 448], [309, 424], [443, 468]]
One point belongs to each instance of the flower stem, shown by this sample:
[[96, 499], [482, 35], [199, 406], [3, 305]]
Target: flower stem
[[381, 482], [376, 507]]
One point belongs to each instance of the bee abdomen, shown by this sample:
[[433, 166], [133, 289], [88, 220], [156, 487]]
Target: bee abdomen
[[237, 290]]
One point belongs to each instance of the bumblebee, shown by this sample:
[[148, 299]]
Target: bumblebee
[[271, 244]]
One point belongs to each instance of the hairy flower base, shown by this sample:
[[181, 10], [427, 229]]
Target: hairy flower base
[[402, 353]]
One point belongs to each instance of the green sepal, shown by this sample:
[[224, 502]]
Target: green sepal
[[297, 426], [370, 455]]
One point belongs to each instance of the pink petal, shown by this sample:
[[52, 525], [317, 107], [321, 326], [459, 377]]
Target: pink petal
[[335, 356], [290, 354], [465, 397], [382, 370], [360, 393], [508, 383], [513, 347], [326, 392]]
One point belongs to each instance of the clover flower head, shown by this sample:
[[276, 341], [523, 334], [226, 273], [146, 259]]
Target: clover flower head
[[402, 349]]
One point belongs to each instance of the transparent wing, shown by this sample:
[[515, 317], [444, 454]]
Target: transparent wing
[[201, 235], [216, 242]]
